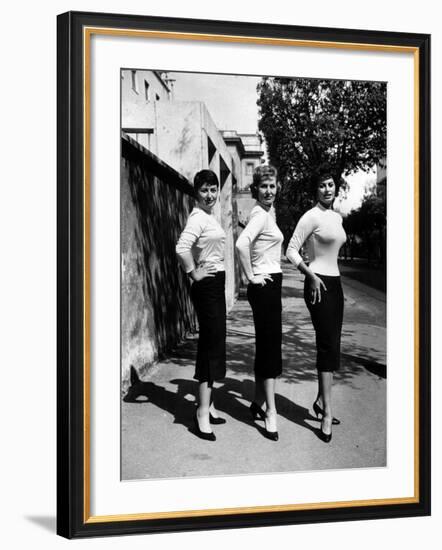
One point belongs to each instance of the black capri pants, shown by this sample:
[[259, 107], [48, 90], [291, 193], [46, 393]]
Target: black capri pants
[[327, 318], [265, 302], [209, 300]]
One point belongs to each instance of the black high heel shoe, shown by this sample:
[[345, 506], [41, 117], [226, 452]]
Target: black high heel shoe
[[326, 438], [256, 411], [273, 436], [216, 420], [318, 411], [203, 435]]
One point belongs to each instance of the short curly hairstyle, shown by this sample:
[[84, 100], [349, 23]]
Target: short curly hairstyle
[[262, 172], [204, 176]]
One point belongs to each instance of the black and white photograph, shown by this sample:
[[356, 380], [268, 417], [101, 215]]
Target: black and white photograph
[[253, 263]]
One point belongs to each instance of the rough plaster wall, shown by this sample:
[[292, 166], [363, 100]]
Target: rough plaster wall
[[155, 303], [178, 127], [236, 171], [229, 252]]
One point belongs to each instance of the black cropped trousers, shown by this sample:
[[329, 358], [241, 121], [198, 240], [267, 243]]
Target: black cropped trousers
[[327, 316], [209, 300], [265, 302]]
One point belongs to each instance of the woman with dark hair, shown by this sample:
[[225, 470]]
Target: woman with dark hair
[[201, 252], [320, 230], [259, 248]]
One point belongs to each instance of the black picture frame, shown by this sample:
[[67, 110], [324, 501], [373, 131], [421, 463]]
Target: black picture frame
[[73, 519]]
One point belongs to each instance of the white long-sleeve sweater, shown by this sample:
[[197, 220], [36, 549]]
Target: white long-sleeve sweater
[[204, 238], [262, 239], [320, 229]]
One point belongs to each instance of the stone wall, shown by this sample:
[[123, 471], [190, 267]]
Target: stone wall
[[156, 310]]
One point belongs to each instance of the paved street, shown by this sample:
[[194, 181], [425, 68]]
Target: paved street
[[157, 429]]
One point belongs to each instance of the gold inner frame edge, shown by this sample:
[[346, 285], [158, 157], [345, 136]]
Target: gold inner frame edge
[[87, 33]]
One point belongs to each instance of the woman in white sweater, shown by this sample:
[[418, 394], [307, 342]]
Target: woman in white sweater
[[259, 248], [320, 231], [201, 251]]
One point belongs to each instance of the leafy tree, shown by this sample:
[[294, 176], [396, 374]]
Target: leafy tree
[[314, 125], [367, 225]]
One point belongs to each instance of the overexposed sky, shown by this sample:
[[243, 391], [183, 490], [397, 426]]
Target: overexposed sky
[[358, 183], [230, 99]]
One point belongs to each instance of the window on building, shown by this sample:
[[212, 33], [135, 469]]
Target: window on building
[[146, 90], [134, 81], [249, 168]]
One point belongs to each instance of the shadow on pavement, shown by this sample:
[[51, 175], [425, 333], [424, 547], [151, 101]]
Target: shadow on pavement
[[292, 292], [374, 367], [174, 403], [299, 351], [228, 397]]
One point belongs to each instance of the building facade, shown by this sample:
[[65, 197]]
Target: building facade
[[247, 151], [141, 91], [183, 136]]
